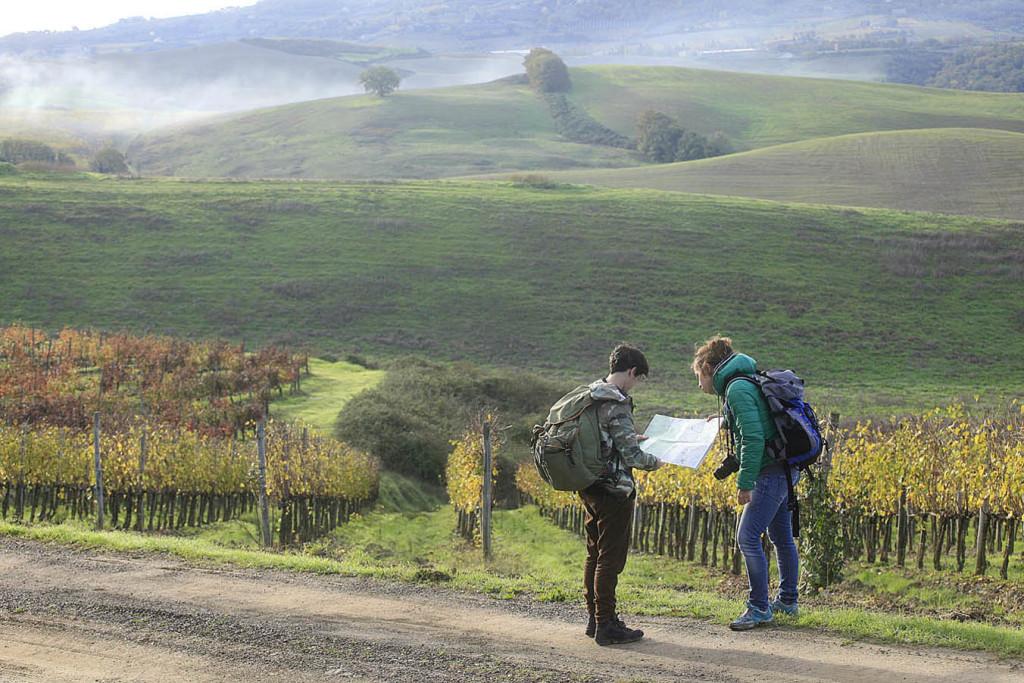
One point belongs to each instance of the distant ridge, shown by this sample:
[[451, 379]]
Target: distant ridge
[[965, 171], [502, 128]]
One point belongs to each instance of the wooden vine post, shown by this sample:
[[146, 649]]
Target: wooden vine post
[[902, 536], [140, 510], [266, 539], [981, 536], [98, 465], [20, 506], [488, 493]]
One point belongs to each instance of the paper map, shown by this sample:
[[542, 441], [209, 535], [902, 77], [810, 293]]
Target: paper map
[[680, 441]]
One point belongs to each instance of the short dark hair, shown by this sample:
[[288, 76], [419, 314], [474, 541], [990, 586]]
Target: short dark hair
[[626, 356]]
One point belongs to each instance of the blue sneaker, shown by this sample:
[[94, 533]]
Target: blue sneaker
[[751, 617], [787, 608]]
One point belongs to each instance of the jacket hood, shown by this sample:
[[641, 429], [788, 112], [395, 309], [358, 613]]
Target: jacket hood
[[736, 364], [606, 391]]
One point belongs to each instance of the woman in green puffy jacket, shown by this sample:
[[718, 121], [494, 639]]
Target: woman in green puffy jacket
[[761, 484]]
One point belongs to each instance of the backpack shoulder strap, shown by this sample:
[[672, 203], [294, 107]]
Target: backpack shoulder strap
[[570, 406], [752, 380]]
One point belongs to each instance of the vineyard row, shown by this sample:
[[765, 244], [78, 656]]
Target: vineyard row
[[921, 488], [155, 477]]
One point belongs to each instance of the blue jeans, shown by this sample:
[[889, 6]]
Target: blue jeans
[[768, 510]]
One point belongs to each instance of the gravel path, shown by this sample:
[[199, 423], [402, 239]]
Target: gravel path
[[78, 615]]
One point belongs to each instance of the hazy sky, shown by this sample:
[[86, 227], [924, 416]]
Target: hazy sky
[[61, 15]]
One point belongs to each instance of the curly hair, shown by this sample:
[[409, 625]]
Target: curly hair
[[713, 352]]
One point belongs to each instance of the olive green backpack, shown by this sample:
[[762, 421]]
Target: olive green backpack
[[567, 447]]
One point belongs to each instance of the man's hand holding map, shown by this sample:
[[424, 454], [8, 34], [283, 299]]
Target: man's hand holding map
[[680, 441]]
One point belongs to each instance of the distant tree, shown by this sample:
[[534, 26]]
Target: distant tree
[[17, 151], [546, 71], [657, 136], [691, 146], [997, 68], [717, 144], [913, 66], [109, 160], [660, 138], [380, 80]]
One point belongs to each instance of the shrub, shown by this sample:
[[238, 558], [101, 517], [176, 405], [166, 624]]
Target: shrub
[[411, 417], [657, 136], [17, 151], [535, 180], [576, 125], [109, 160], [546, 71]]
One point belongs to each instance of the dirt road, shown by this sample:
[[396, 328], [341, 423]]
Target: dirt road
[[73, 615]]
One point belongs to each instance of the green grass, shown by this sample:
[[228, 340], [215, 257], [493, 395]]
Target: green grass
[[762, 111], [532, 560], [328, 387], [399, 493], [881, 311], [414, 134], [502, 127], [947, 170]]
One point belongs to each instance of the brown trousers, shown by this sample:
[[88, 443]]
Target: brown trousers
[[608, 523]]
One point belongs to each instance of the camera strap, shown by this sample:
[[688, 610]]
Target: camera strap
[[724, 414]]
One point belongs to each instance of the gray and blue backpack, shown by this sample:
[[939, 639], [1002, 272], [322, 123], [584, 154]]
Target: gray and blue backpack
[[800, 443]]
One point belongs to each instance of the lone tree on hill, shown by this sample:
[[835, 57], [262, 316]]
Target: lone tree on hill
[[546, 71], [109, 160], [660, 138], [657, 136], [380, 80]]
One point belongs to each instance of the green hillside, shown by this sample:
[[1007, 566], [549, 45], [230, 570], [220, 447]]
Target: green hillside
[[948, 170], [879, 309], [417, 134], [502, 127], [760, 111]]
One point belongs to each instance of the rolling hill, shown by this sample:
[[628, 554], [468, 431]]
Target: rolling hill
[[502, 127], [79, 105], [495, 127], [880, 310], [762, 111], [948, 170]]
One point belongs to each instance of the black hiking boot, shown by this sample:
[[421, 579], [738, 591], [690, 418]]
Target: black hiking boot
[[615, 632], [592, 624]]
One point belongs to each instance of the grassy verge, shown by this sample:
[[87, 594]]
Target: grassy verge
[[327, 388], [533, 560]]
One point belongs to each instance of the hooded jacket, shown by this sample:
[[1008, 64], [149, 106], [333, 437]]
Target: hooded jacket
[[620, 450], [747, 416]]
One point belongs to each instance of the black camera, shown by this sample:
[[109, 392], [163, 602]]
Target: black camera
[[729, 465]]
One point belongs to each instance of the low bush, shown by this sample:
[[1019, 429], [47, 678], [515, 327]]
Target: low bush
[[411, 417], [576, 125]]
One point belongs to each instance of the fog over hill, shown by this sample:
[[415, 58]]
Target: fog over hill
[[230, 76], [240, 58]]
